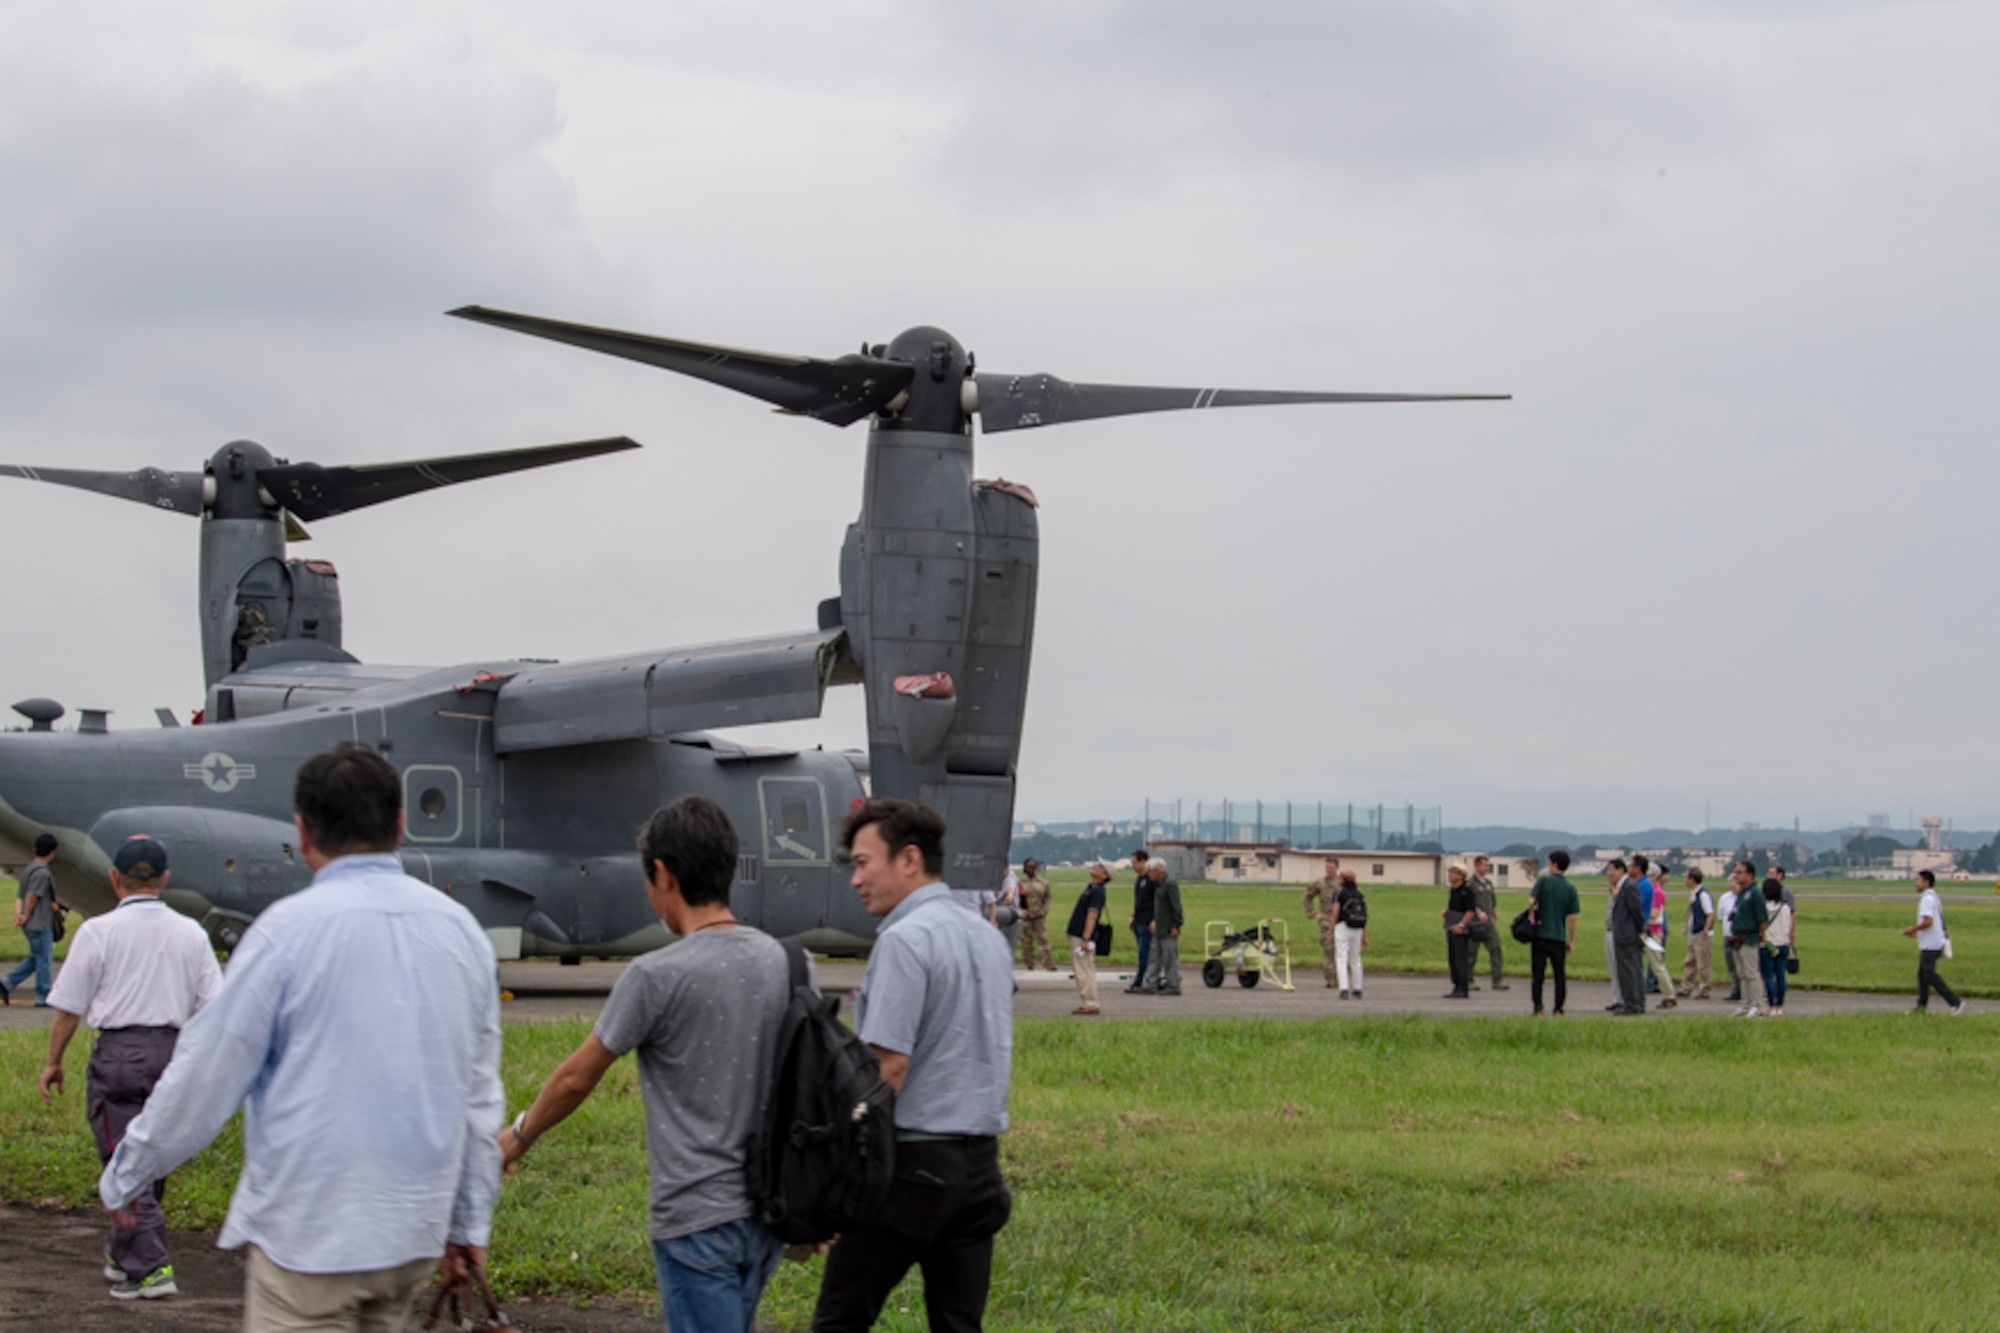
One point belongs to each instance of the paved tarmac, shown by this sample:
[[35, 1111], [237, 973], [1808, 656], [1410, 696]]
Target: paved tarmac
[[542, 990]]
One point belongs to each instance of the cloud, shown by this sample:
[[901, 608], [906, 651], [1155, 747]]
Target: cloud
[[1734, 265]]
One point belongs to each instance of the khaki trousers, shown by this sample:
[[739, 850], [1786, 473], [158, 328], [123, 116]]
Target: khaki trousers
[[1084, 963], [1697, 973], [1656, 963], [277, 1300], [1747, 971]]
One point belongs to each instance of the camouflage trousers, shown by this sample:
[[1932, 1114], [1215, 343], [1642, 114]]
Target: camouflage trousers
[[1326, 925], [1035, 940]]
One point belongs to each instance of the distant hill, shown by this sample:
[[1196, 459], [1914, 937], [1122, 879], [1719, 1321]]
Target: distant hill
[[1489, 837]]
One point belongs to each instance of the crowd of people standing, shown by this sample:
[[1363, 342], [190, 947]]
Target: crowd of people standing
[[1754, 920]]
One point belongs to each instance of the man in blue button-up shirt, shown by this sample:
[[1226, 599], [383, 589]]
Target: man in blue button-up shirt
[[937, 1007], [358, 1027]]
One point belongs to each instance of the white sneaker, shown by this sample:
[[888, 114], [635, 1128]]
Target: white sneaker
[[1958, 1009], [1753, 1012]]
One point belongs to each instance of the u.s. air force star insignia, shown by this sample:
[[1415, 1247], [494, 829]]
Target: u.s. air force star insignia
[[219, 773]]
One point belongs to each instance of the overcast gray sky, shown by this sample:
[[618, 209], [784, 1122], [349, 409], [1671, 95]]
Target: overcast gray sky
[[1729, 544]]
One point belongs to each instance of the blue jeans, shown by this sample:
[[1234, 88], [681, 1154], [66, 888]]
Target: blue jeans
[[1143, 933], [711, 1281], [1771, 966], [38, 961]]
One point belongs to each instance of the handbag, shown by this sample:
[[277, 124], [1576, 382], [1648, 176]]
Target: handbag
[[1524, 927], [1005, 916], [494, 1322], [1792, 962]]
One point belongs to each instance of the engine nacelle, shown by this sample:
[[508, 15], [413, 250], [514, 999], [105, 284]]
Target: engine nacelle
[[938, 578]]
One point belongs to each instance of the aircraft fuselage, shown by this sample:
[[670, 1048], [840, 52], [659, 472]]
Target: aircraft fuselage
[[537, 843]]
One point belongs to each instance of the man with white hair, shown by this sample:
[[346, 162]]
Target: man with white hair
[[1083, 921]]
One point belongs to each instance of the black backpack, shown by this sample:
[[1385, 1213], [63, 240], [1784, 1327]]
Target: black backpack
[[1354, 911], [821, 1161]]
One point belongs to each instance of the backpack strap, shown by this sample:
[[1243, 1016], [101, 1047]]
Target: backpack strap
[[795, 956]]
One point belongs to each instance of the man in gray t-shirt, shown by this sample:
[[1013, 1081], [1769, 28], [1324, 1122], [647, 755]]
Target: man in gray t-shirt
[[34, 915], [703, 1015]]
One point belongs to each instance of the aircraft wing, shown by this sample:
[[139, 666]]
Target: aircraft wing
[[780, 678]]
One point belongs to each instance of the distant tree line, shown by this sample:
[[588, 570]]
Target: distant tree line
[[1054, 849]]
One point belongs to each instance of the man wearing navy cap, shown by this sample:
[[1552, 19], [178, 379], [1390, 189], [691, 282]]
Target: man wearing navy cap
[[137, 974]]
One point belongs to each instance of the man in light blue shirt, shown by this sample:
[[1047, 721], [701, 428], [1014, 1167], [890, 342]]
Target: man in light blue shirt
[[937, 1007], [358, 1027]]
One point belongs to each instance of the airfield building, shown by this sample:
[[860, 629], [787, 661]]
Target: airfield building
[[1275, 863]]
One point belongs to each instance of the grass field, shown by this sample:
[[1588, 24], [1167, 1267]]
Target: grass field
[[1848, 943], [1478, 1174], [1373, 1173]]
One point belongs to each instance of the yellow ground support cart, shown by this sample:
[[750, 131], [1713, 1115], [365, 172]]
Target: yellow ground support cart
[[1266, 948]]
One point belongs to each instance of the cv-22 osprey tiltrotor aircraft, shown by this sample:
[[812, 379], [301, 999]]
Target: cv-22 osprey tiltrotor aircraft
[[525, 781]]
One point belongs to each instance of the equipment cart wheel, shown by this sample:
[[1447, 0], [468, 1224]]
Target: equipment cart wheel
[[1247, 979], [1211, 973]]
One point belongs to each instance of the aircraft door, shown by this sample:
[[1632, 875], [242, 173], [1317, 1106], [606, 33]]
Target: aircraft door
[[797, 854]]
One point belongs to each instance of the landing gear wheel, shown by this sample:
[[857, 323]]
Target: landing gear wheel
[[1247, 979], [1211, 973]]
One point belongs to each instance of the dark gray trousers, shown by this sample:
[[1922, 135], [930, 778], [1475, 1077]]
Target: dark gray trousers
[[124, 1066], [1631, 977], [1928, 979], [1485, 935]]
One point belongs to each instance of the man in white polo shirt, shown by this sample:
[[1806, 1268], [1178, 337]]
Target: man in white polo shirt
[[1932, 941], [137, 974]]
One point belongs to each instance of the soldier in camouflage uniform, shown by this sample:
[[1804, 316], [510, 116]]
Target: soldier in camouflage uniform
[[1034, 917], [1320, 907]]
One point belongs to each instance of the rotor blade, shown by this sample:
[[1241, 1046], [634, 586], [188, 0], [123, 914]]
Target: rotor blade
[[312, 492], [1016, 402], [838, 392], [179, 492]]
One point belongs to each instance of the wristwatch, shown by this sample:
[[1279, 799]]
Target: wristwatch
[[520, 1132]]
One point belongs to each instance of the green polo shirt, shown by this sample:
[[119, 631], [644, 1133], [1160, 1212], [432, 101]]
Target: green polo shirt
[[1555, 902], [1751, 912]]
